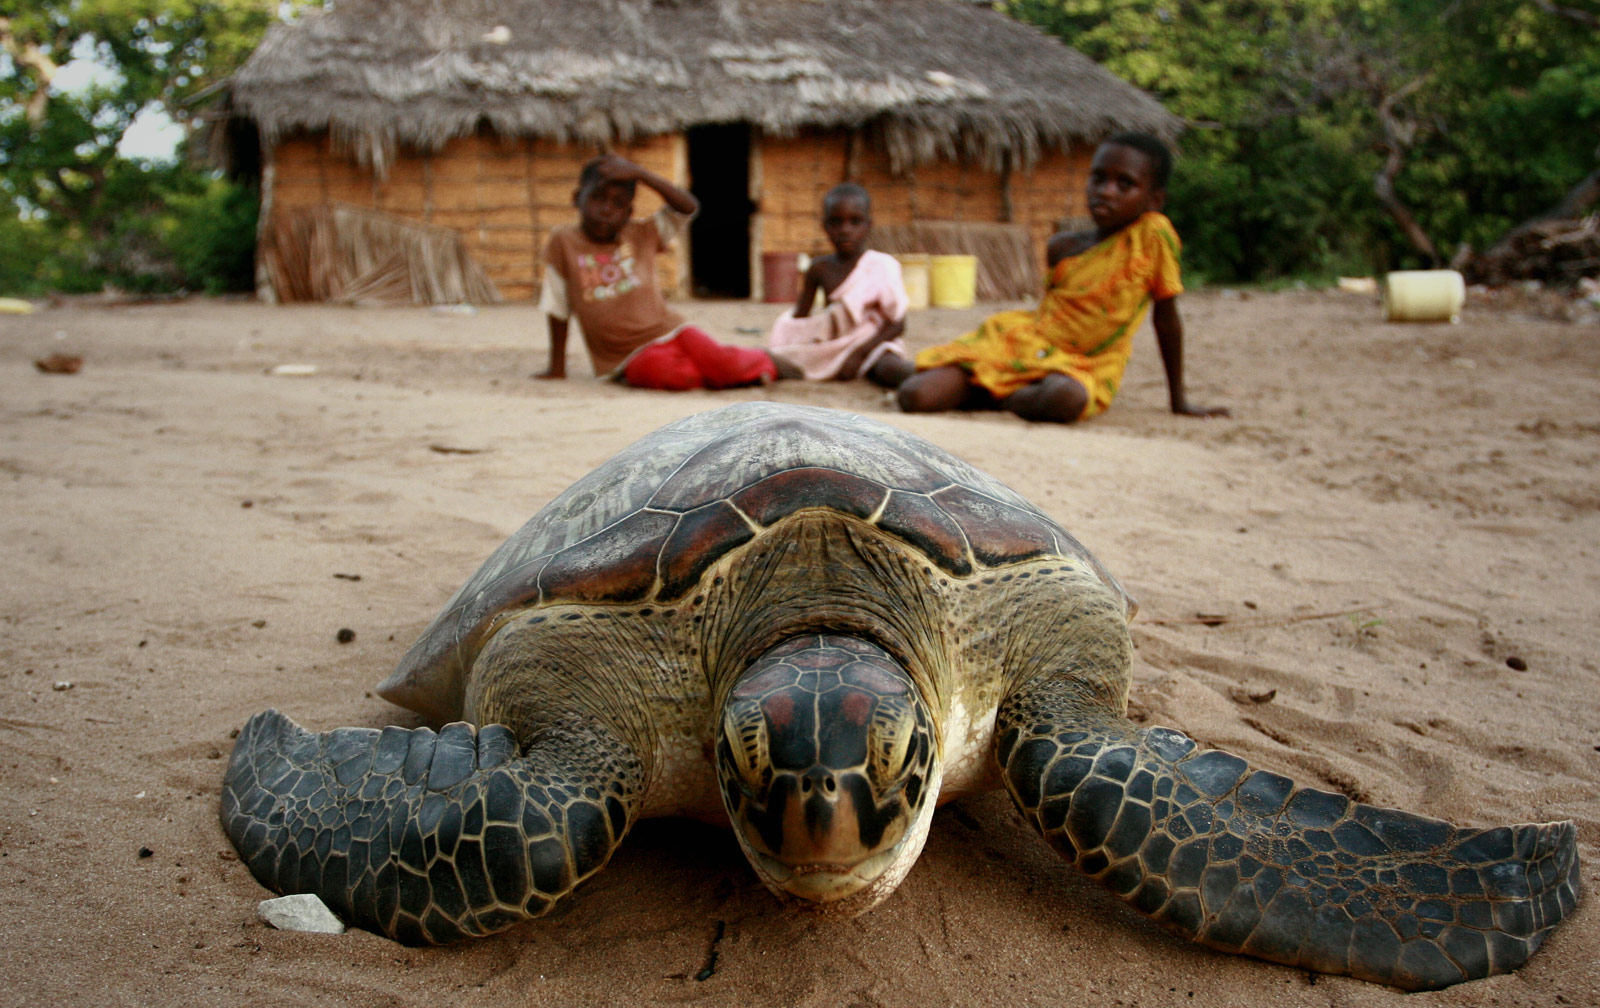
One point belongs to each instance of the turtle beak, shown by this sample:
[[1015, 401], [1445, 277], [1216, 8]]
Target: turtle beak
[[832, 838], [838, 852], [822, 883]]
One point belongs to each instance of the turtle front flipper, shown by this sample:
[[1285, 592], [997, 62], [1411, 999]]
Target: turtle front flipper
[[424, 836], [1245, 861]]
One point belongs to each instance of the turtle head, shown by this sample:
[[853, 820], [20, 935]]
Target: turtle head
[[828, 762]]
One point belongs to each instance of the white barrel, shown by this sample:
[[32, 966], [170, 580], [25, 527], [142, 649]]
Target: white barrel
[[1424, 296]]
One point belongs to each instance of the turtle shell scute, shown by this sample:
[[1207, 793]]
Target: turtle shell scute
[[915, 518], [998, 532], [701, 537], [617, 564], [780, 495]]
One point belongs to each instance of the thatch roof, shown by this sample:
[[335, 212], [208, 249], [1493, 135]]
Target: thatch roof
[[926, 77]]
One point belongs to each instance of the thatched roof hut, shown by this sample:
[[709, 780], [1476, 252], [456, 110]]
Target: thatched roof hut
[[898, 85]]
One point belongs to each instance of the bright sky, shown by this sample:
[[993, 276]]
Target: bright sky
[[153, 134]]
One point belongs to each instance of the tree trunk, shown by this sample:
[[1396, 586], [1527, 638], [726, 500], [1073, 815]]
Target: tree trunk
[[1578, 198], [1398, 134], [34, 63]]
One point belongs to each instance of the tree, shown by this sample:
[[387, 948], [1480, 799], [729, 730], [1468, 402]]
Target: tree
[[60, 174], [1507, 112], [1328, 136]]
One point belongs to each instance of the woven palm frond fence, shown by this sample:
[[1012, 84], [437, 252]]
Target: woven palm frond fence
[[1007, 268], [336, 252]]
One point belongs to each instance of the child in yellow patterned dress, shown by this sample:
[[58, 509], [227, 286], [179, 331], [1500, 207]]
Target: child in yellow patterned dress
[[1063, 361]]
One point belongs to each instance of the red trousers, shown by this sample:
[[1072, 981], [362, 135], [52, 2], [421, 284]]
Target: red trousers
[[691, 360]]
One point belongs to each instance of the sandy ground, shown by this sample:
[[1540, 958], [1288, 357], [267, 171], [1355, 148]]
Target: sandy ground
[[1397, 537]]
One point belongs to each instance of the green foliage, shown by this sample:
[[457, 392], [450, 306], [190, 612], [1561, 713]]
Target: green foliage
[[1490, 107], [211, 234], [88, 216], [25, 243], [161, 227]]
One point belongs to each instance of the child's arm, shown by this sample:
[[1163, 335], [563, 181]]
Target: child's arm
[[1169, 337], [1066, 243], [851, 366], [557, 367], [616, 168], [808, 289], [553, 302]]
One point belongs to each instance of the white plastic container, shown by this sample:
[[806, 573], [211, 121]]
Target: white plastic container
[[1424, 296]]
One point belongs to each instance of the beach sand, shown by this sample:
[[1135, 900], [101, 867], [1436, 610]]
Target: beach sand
[[1381, 576]]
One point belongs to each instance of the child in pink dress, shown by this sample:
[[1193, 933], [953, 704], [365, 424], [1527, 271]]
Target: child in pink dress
[[858, 333]]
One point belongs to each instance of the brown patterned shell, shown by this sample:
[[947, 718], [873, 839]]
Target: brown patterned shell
[[646, 524]]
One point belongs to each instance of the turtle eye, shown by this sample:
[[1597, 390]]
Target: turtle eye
[[744, 741], [893, 744]]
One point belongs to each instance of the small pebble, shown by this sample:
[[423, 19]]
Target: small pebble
[[299, 912], [59, 364], [61, 686], [1243, 694]]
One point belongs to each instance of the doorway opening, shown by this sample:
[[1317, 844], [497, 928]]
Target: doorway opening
[[719, 238]]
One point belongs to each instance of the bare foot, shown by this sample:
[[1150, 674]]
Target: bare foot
[[890, 369]]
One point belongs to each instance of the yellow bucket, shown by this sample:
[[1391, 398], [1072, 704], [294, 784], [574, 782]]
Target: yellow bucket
[[914, 274], [1424, 296], [953, 280]]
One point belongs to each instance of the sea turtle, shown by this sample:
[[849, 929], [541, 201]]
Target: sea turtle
[[818, 627]]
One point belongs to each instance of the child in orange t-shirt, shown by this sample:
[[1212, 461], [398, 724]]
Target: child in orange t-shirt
[[603, 271]]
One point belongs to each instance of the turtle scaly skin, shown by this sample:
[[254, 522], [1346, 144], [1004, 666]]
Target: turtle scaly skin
[[427, 837], [816, 628], [1245, 861]]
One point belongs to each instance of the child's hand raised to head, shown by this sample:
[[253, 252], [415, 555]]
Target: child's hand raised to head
[[616, 168]]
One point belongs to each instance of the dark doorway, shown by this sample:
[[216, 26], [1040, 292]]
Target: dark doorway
[[719, 238]]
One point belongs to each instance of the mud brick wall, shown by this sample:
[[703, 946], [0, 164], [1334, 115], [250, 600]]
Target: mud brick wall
[[505, 197]]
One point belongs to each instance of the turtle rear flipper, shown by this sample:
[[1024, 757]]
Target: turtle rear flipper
[[423, 836], [1245, 861]]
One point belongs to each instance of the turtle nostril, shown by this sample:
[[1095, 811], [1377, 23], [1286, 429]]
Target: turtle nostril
[[818, 779]]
